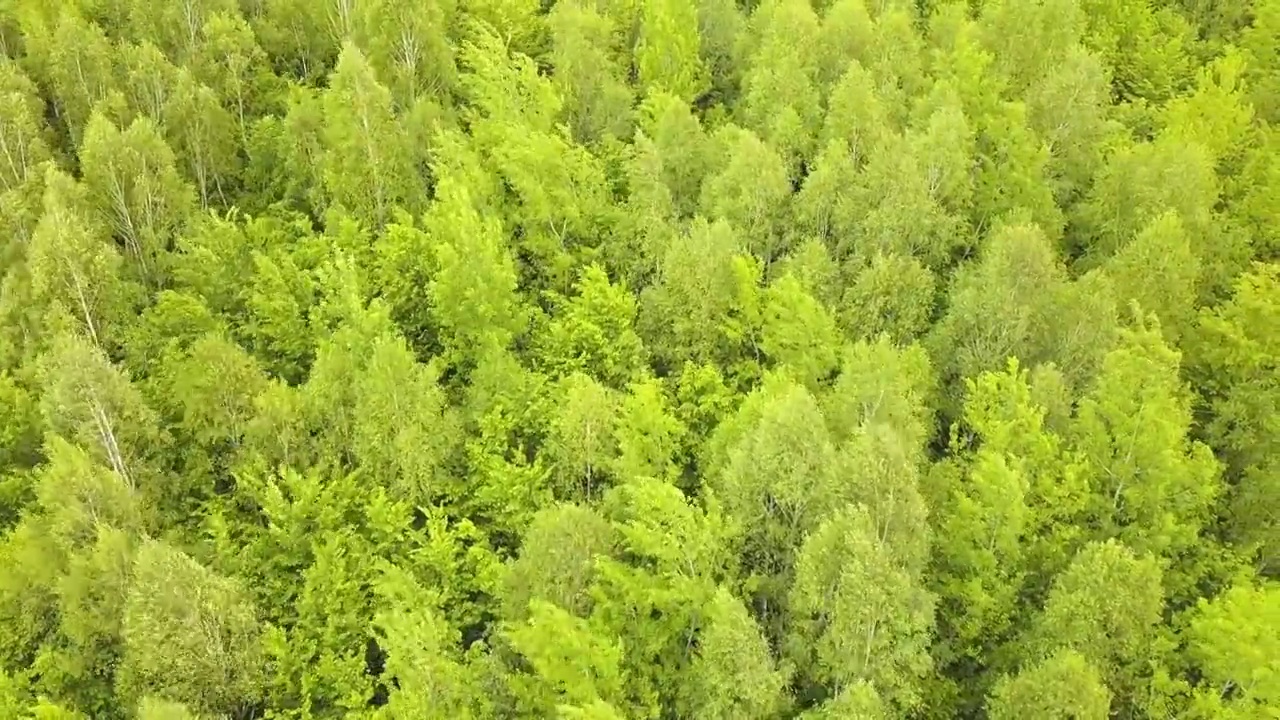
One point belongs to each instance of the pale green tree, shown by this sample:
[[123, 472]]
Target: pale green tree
[[230, 62], [410, 46], [667, 53], [1160, 272], [649, 436], [857, 616], [580, 443], [188, 634], [592, 332], [780, 98], [133, 185], [588, 73], [1063, 686], [892, 294], [1233, 347], [1154, 487], [90, 401], [473, 294], [203, 134], [734, 674], [72, 266], [151, 79], [366, 165], [750, 191], [1233, 640], [1106, 607], [75, 59], [797, 332], [556, 563]]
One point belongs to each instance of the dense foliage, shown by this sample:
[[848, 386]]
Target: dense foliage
[[603, 359]]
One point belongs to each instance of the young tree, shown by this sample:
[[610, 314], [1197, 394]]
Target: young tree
[[1106, 607], [410, 45], [74, 57], [473, 294], [857, 615], [733, 675], [366, 165], [1153, 486], [797, 332], [189, 635], [89, 401], [556, 563], [72, 267], [1232, 349], [1233, 640], [580, 443], [133, 185], [429, 677], [1064, 686], [588, 74], [750, 191], [667, 53], [592, 333]]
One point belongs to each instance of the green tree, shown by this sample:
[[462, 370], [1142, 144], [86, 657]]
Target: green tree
[[90, 401], [1153, 486], [572, 664], [24, 141], [366, 165], [797, 332], [580, 443], [203, 134], [1106, 607], [1232, 639], [474, 291], [704, 306], [1160, 272], [422, 658], [73, 267], [750, 191], [892, 294], [230, 62], [1064, 686], [151, 708], [556, 563], [734, 674], [857, 615], [409, 45], [648, 435], [189, 635], [588, 73], [1229, 355], [74, 57], [591, 332], [780, 97], [667, 53], [133, 185]]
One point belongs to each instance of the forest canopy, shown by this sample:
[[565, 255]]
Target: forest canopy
[[639, 359]]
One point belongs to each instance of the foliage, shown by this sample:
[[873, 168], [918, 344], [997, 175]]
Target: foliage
[[642, 359]]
